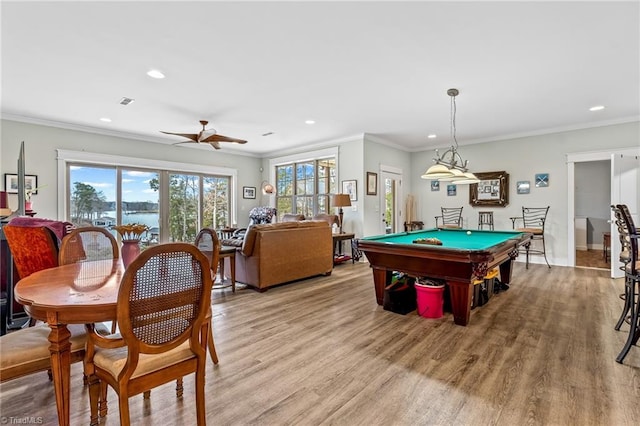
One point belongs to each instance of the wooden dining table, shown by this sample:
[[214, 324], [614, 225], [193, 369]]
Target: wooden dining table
[[79, 293]]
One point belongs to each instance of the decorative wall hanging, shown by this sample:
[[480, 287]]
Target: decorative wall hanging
[[249, 192], [350, 187], [542, 180], [492, 190], [523, 186], [372, 183], [435, 185], [451, 190]]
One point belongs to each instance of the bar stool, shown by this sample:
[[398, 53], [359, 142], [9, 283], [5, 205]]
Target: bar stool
[[606, 246], [485, 219]]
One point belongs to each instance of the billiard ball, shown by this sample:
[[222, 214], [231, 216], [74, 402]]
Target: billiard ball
[[468, 232]]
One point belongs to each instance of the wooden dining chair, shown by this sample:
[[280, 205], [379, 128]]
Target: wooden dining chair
[[164, 313], [208, 243], [86, 244]]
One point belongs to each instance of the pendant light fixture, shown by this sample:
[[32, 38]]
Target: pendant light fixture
[[450, 167]]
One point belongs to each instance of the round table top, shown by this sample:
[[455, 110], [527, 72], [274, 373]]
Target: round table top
[[76, 293]]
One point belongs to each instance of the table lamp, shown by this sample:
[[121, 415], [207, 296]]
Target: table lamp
[[341, 200]]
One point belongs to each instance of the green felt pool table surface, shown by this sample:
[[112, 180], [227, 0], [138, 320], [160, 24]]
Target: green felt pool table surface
[[451, 238]]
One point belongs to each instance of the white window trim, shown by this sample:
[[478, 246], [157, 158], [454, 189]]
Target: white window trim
[[67, 156]]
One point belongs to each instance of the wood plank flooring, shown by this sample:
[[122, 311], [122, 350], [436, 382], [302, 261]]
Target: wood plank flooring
[[321, 352]]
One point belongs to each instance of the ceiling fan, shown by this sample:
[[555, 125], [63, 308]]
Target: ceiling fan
[[205, 136]]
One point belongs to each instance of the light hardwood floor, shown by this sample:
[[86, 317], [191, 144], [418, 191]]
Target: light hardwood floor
[[321, 351]]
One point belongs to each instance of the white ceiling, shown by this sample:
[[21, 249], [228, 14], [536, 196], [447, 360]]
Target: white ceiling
[[381, 68]]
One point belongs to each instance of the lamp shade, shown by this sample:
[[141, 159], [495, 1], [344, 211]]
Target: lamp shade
[[456, 175], [267, 188], [437, 171], [341, 200]]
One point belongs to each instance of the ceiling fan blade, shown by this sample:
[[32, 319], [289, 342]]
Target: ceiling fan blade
[[192, 136], [222, 138], [180, 143]]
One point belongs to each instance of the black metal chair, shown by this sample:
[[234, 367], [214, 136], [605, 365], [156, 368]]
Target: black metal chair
[[632, 283], [451, 217], [533, 221], [485, 219], [625, 258]]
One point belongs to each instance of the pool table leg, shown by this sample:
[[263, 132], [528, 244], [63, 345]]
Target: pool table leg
[[460, 293], [380, 278]]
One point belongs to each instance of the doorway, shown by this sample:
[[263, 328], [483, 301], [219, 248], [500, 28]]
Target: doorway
[[391, 196], [592, 212], [624, 166]]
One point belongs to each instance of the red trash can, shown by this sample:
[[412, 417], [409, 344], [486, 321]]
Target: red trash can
[[430, 299]]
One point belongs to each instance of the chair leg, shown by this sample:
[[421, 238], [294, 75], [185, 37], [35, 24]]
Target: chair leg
[[634, 326], [102, 410], [627, 303], [123, 402], [94, 397], [544, 252], [200, 400], [212, 347], [179, 388]]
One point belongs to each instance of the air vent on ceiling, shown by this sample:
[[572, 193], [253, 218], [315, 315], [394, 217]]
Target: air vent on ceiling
[[126, 101]]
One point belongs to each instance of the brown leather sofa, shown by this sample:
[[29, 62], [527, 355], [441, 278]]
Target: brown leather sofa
[[278, 253]]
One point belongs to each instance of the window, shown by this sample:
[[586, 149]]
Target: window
[[304, 187], [192, 200]]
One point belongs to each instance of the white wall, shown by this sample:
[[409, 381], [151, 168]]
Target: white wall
[[41, 143], [522, 158]]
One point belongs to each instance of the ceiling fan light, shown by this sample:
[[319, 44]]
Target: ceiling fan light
[[437, 171]]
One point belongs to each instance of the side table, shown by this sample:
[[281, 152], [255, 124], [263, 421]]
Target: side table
[[338, 256], [230, 252]]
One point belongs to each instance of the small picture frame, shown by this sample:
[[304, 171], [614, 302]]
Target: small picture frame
[[350, 187], [249, 192], [11, 183], [523, 186], [542, 180], [451, 190], [435, 185], [372, 183]]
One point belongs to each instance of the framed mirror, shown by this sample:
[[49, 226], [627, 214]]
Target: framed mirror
[[492, 190]]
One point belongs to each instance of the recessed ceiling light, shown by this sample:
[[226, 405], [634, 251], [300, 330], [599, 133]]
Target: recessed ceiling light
[[310, 122], [597, 108], [432, 136], [155, 74], [106, 119]]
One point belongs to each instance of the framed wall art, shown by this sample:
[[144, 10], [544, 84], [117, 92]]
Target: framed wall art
[[542, 180], [249, 192], [372, 183], [451, 190], [523, 187], [350, 187], [435, 185], [11, 183], [492, 190]]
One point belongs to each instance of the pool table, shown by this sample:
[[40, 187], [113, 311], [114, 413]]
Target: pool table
[[463, 256]]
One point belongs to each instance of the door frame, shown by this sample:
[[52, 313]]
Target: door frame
[[399, 194], [581, 157]]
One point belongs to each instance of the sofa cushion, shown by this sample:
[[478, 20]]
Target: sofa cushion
[[290, 217]]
